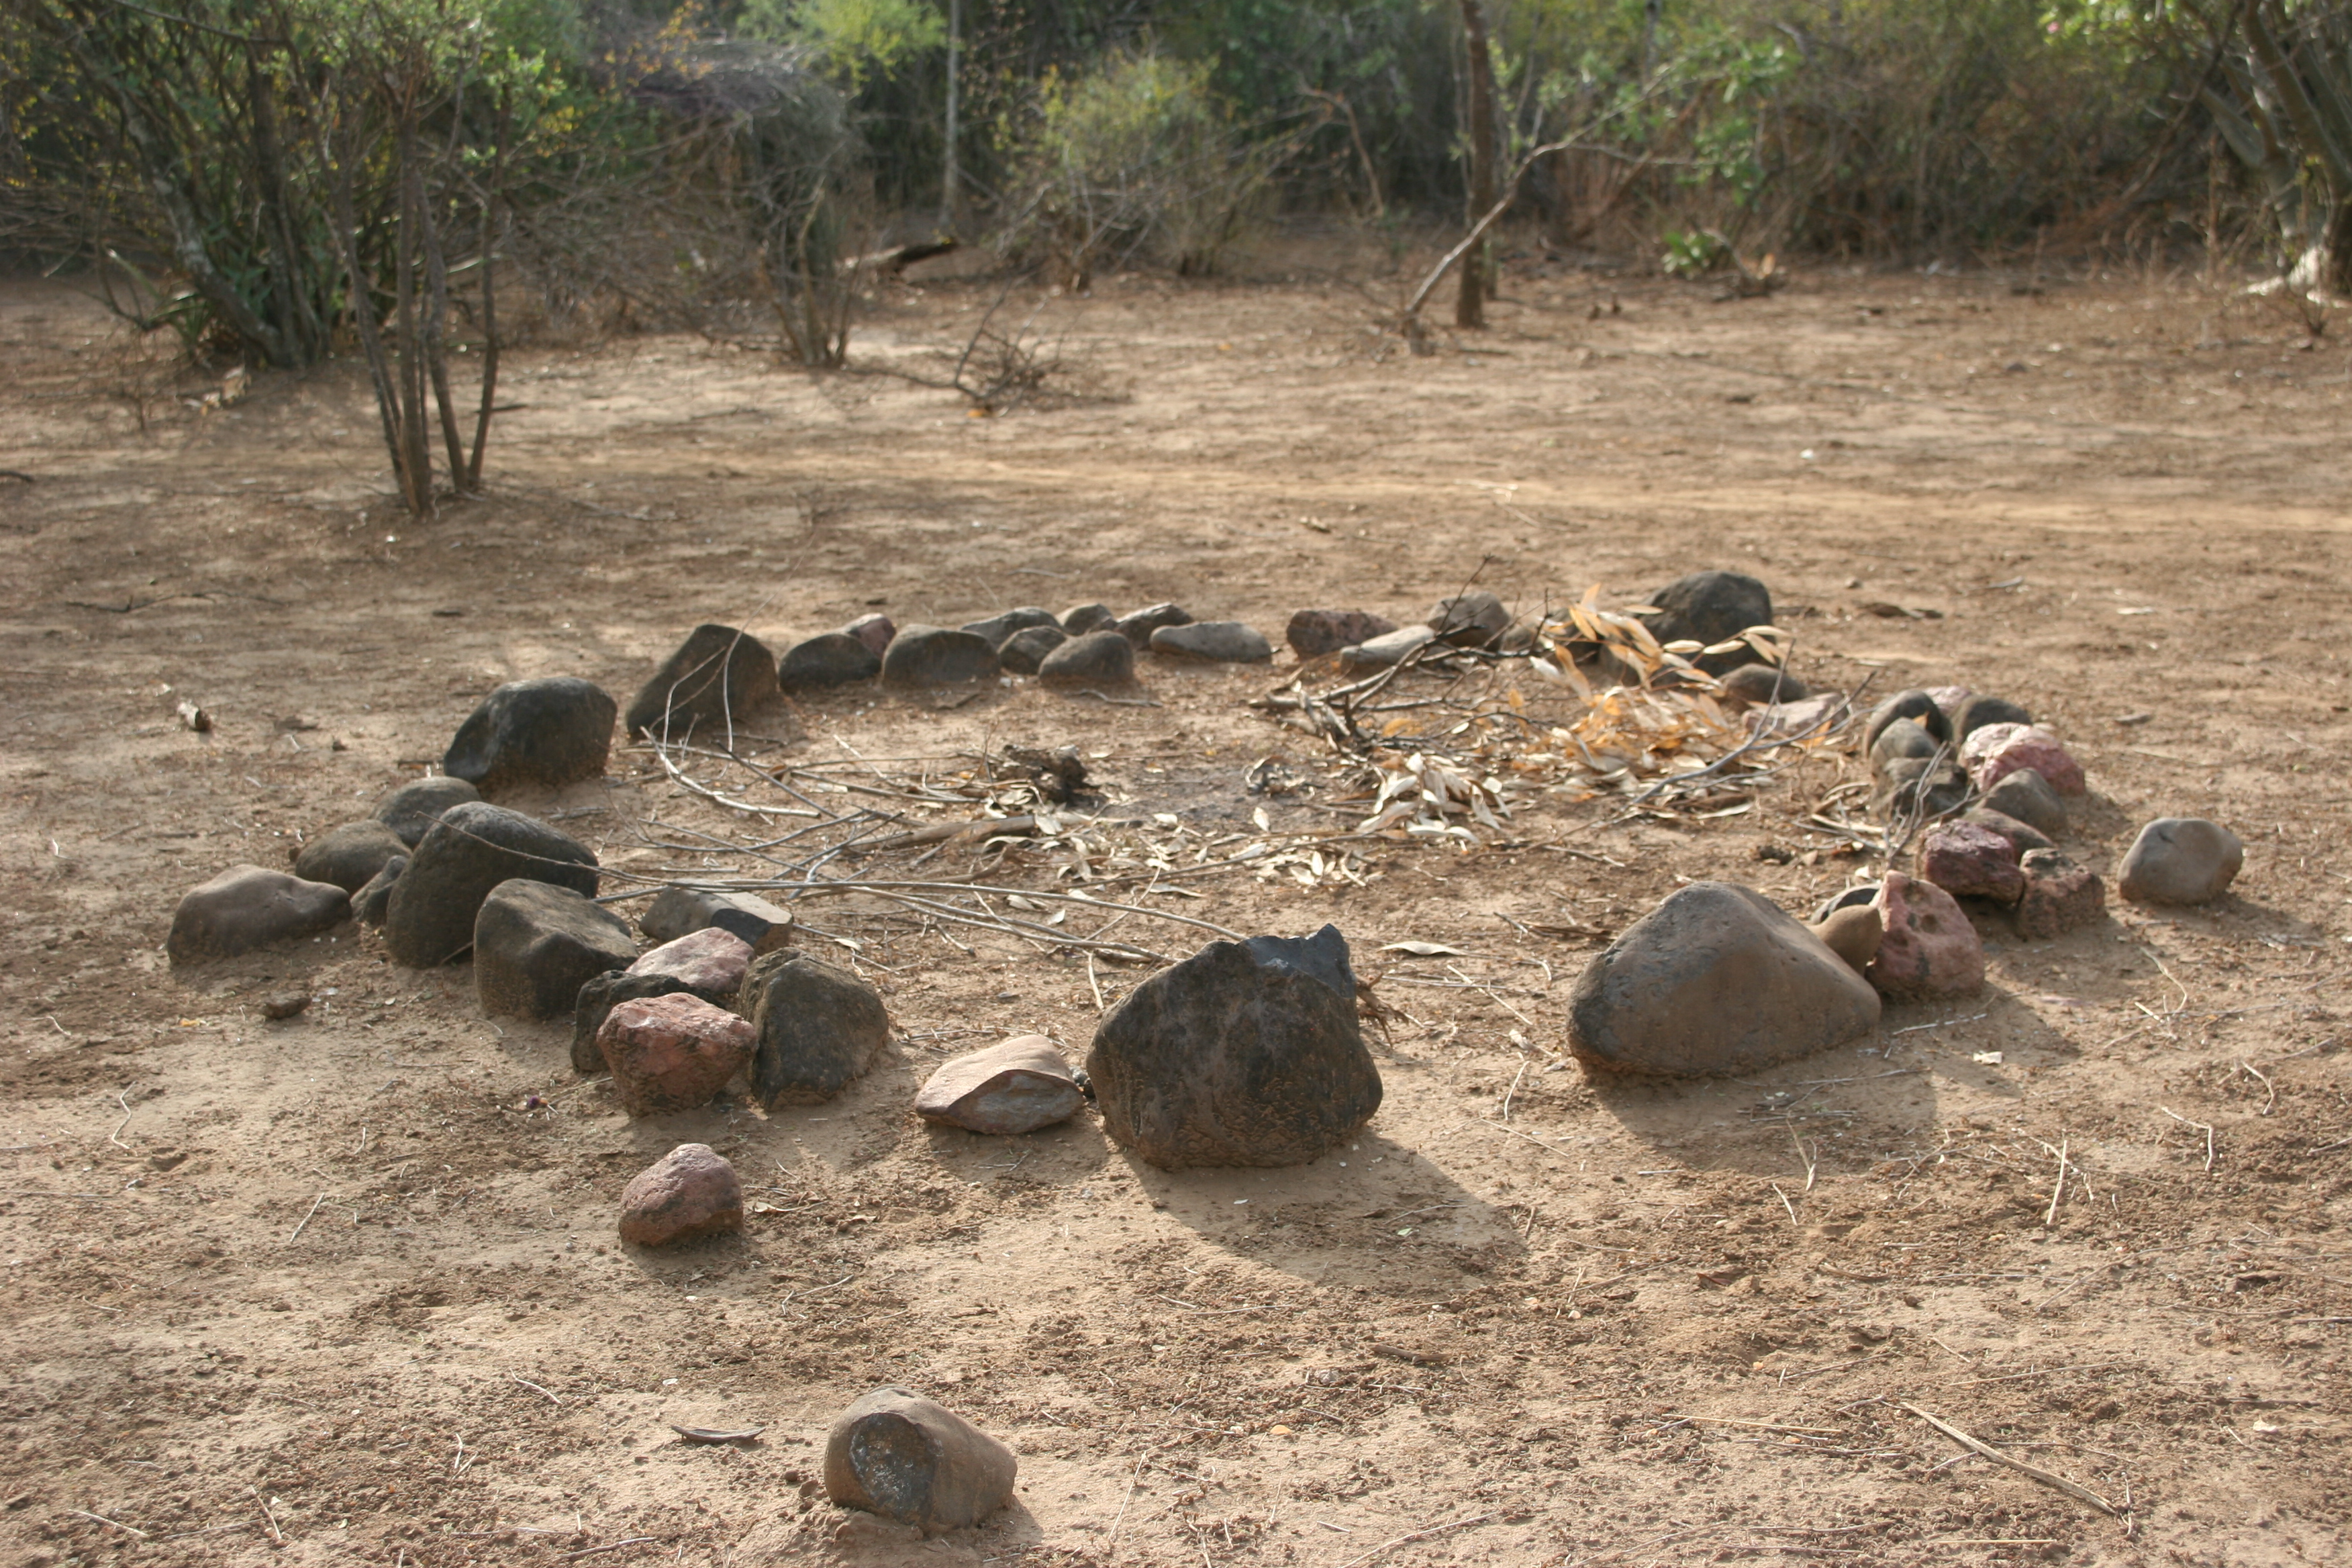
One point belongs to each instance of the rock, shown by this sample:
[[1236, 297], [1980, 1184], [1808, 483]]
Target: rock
[[819, 1028], [873, 632], [1949, 698], [1475, 619], [1754, 684], [2059, 897], [429, 916], [711, 961], [1852, 898], [1812, 716], [1997, 751], [1929, 949], [2026, 796], [280, 1006], [1388, 648], [1970, 861], [1217, 642], [547, 733], [1015, 1086], [247, 907], [1313, 633], [1708, 607], [1911, 785], [2020, 836], [350, 856], [1098, 659], [1244, 1053], [922, 657], [605, 991], [827, 659], [2181, 860], [676, 911], [718, 676], [413, 808], [1919, 707], [1715, 981], [899, 1455], [1852, 933], [996, 628], [1026, 650], [1080, 619], [670, 1053], [536, 944], [1903, 738], [1976, 711], [689, 1192], [370, 903], [1137, 626]]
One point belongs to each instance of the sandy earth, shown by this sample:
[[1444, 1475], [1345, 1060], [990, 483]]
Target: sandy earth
[[346, 1289]]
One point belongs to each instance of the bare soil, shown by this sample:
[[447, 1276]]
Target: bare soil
[[347, 1288]]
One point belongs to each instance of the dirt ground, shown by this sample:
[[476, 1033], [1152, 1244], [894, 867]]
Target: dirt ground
[[347, 1288]]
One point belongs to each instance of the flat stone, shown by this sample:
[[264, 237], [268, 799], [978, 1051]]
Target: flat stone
[[2026, 796], [1978, 710], [370, 903], [1997, 751], [998, 627], [2181, 860], [429, 915], [689, 1193], [2060, 896], [1216, 642], [1098, 659], [676, 911], [1709, 607], [534, 733], [923, 657], [413, 808], [2021, 837], [1715, 981], [1970, 861], [710, 961], [1852, 933], [1475, 619], [1137, 626], [1313, 633], [1246, 1053], [669, 1053], [350, 856], [1388, 648], [897, 1454], [820, 1028], [246, 907], [1929, 950], [1080, 619], [873, 632], [1757, 685], [536, 944], [1013, 1086], [600, 995], [825, 660], [1025, 651], [1919, 707], [718, 677]]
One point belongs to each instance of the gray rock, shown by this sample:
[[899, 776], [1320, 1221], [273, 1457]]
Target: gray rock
[[247, 907], [1715, 981], [1918, 785], [1856, 896], [1903, 738], [676, 911], [1976, 712], [820, 1028], [1919, 707], [1759, 684], [1709, 607], [1026, 650], [1080, 619], [1313, 633], [2021, 837], [1473, 619], [350, 856], [1388, 648], [1013, 1086], [897, 1454], [2060, 896], [2027, 796], [689, 1193], [1244, 1053], [1852, 933], [429, 917], [536, 944], [2181, 860], [547, 733], [413, 808], [370, 903], [922, 657], [1137, 626], [827, 659], [874, 631], [1097, 659], [997, 627], [1216, 642], [718, 677]]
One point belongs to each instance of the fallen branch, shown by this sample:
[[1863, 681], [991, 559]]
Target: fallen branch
[[2035, 1472]]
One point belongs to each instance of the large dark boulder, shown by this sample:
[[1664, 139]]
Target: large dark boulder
[[1247, 1053], [1709, 607], [923, 657], [827, 659], [820, 1028], [247, 907], [350, 856], [536, 944], [429, 918], [718, 675], [413, 808], [1098, 659], [548, 733]]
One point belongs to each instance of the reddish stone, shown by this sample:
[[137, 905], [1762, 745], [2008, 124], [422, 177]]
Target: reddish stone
[[875, 631], [1948, 698], [689, 1192], [672, 1053], [710, 961], [1929, 949], [1992, 753], [2060, 896], [1971, 861]]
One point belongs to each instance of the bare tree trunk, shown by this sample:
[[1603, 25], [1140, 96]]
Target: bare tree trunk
[[1469, 304], [950, 177], [414, 458]]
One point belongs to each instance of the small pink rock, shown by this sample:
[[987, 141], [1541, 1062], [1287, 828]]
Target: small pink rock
[[710, 961], [672, 1053], [1929, 949], [1992, 753], [689, 1192], [1970, 861], [1014, 1086], [2060, 896], [1949, 698], [875, 631]]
